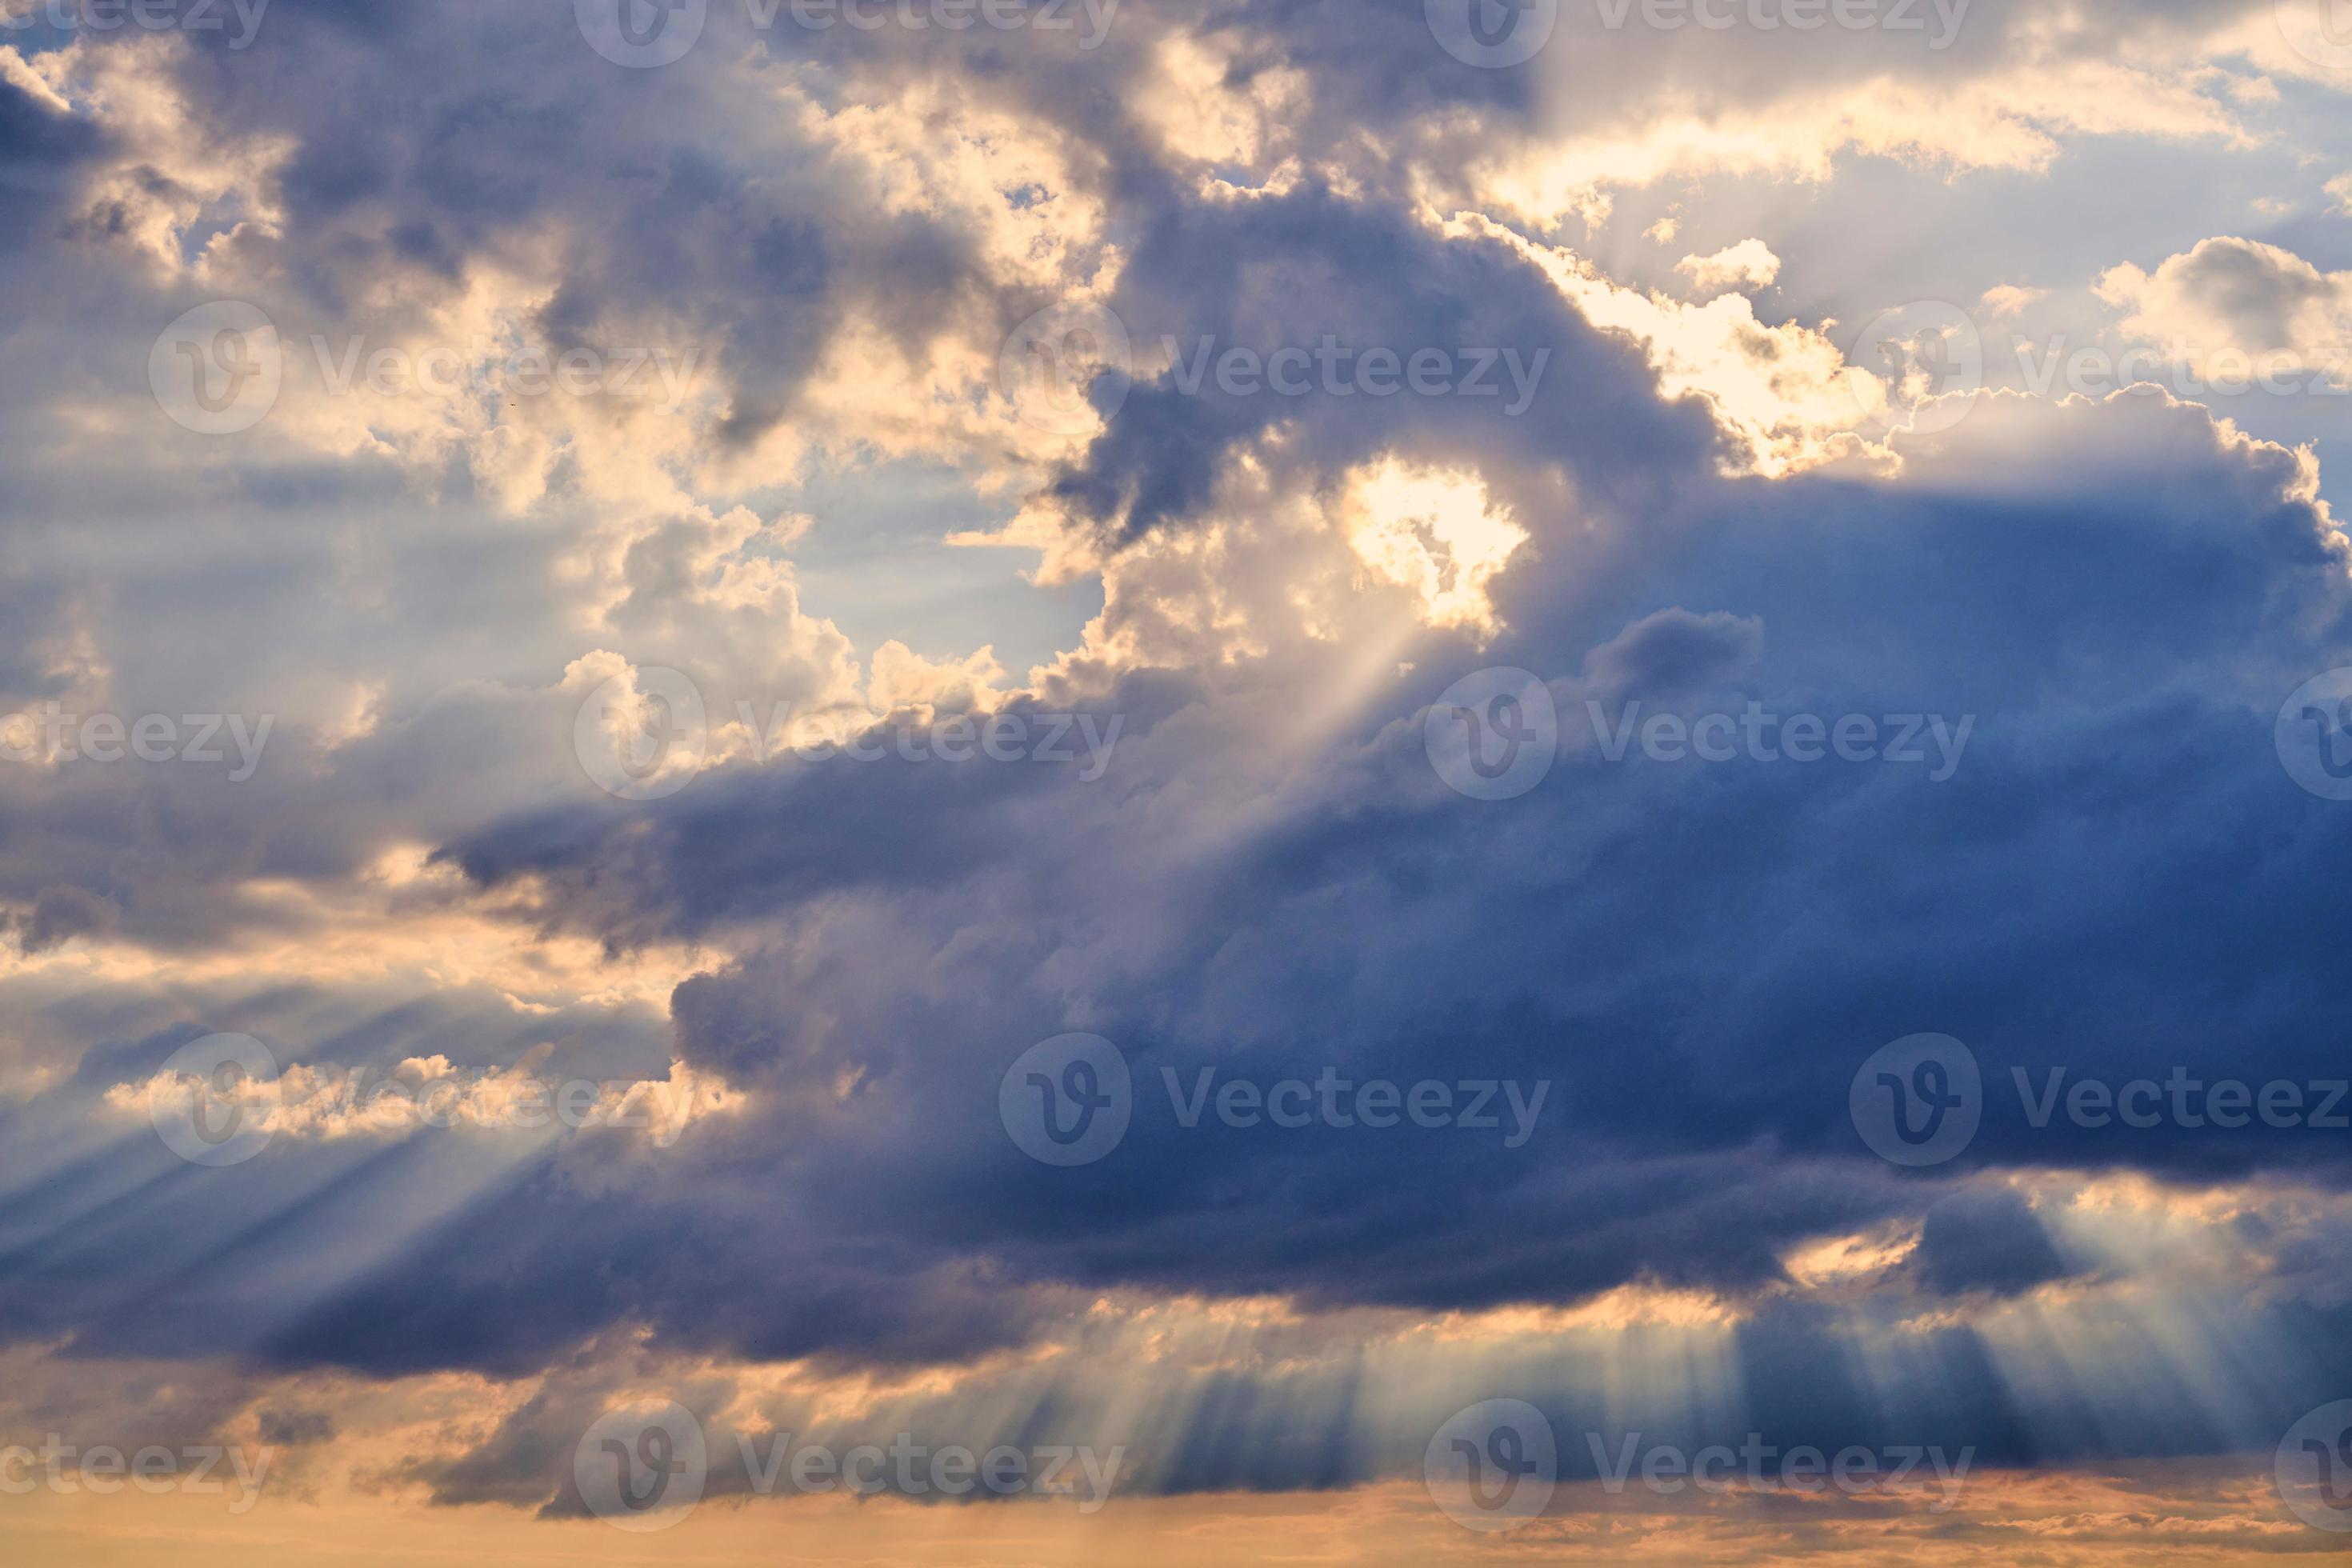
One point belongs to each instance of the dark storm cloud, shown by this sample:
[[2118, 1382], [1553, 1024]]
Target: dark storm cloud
[[1986, 1240], [1697, 957], [58, 915], [39, 154], [1312, 269]]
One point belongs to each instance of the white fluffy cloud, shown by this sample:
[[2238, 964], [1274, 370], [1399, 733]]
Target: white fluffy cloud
[[1749, 264], [2240, 298]]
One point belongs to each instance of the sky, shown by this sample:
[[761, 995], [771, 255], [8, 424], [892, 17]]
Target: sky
[[1179, 781]]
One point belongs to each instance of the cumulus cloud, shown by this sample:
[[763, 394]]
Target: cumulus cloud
[[2239, 298], [1750, 263], [2011, 298]]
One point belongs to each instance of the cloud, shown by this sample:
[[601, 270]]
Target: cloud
[[1984, 1240], [1665, 512], [1398, 970], [1750, 263], [2240, 298], [58, 915], [2011, 300]]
